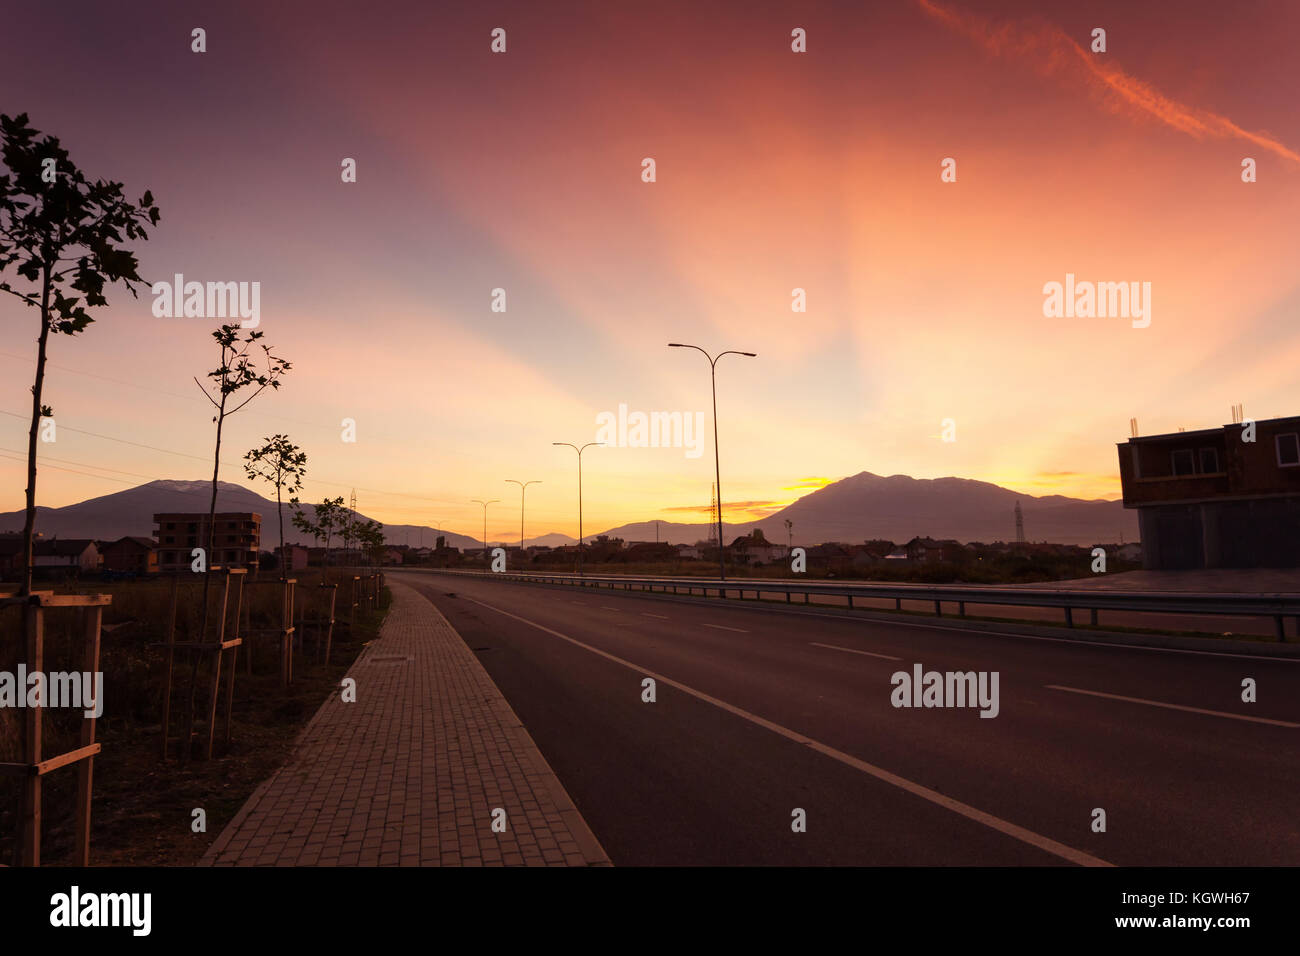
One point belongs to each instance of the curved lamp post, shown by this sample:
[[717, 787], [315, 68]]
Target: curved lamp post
[[579, 451], [485, 504], [523, 488], [717, 470]]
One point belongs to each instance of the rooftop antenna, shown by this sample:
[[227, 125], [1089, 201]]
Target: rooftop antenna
[[1238, 414], [1133, 427]]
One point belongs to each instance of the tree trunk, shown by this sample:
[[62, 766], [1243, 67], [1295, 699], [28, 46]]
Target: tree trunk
[[207, 578], [212, 511], [279, 508], [29, 524]]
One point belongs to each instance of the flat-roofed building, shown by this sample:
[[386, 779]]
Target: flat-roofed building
[[1214, 498], [236, 542]]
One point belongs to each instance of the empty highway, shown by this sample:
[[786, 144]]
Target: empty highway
[[760, 711]]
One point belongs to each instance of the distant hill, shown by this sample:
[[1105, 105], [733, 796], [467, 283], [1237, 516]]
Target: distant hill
[[853, 509], [131, 512], [899, 508]]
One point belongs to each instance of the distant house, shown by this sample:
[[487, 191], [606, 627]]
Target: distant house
[[295, 557], [689, 552], [131, 554], [928, 550], [650, 551], [870, 553], [68, 553], [754, 548], [11, 549], [390, 556]]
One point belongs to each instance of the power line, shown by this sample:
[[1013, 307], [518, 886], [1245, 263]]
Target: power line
[[181, 454]]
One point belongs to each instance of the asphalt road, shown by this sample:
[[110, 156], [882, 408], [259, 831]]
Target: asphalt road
[[762, 710]]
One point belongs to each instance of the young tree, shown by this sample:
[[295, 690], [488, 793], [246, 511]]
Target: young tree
[[62, 231], [240, 368], [370, 534], [283, 464], [330, 516]]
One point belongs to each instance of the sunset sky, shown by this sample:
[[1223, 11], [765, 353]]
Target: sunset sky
[[775, 170]]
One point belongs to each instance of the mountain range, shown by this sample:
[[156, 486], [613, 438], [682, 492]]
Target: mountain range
[[853, 509]]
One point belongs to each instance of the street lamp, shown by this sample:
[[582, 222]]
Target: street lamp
[[579, 451], [478, 501], [523, 487], [717, 469]]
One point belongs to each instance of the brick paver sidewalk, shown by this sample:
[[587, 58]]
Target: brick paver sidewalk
[[410, 774]]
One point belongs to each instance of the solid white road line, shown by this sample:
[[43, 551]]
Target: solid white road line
[[604, 608], [662, 617], [722, 627], [1157, 703], [1044, 843], [849, 650]]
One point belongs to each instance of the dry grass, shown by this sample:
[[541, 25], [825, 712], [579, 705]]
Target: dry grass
[[142, 806]]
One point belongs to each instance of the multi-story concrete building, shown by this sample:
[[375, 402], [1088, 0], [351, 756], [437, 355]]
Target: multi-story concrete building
[[237, 539], [1224, 497]]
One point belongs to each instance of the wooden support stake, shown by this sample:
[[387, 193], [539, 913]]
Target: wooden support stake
[[171, 659], [93, 618], [216, 668], [29, 835]]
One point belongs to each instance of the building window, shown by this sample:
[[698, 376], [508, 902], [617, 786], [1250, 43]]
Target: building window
[[1183, 462], [1209, 461], [1288, 450]]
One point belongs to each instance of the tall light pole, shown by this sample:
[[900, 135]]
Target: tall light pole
[[523, 488], [579, 451], [717, 469], [485, 504]]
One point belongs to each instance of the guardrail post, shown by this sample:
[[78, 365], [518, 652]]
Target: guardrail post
[[1281, 628], [961, 608], [1092, 617], [1069, 616], [850, 602]]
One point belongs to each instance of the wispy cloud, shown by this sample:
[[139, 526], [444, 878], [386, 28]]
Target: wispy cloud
[[730, 507], [809, 483], [1055, 53]]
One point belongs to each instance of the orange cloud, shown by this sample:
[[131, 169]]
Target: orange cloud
[[1054, 52]]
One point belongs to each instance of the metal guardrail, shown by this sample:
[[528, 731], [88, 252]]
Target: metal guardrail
[[1277, 606]]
